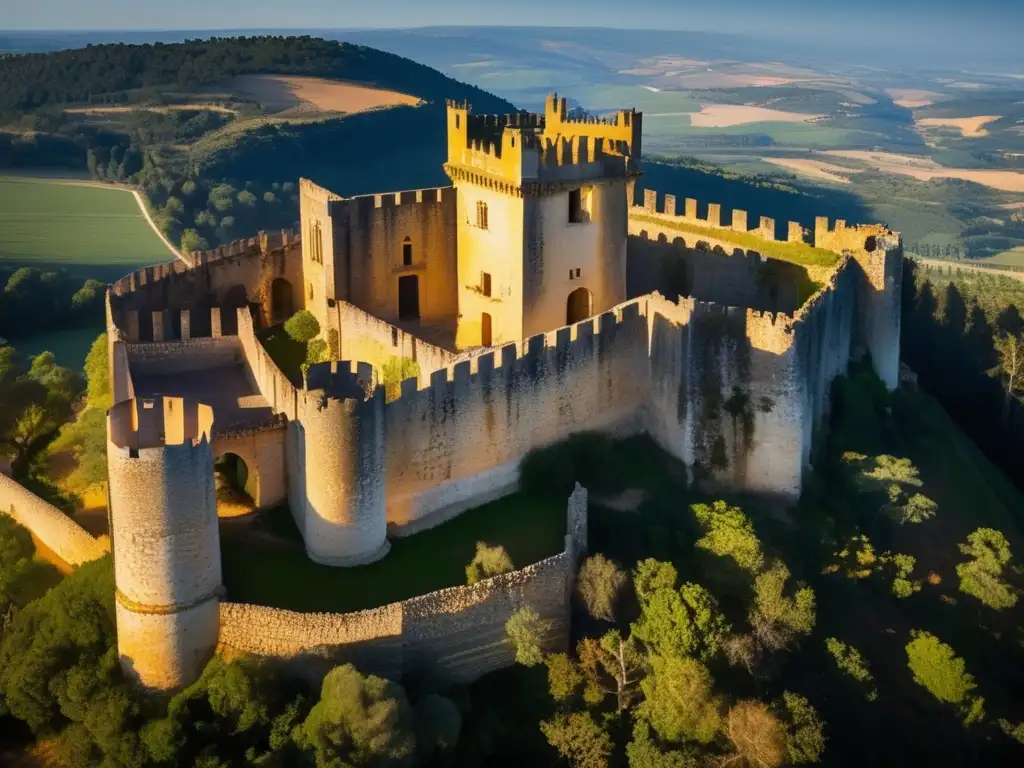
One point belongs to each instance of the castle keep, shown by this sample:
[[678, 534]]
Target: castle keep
[[529, 300]]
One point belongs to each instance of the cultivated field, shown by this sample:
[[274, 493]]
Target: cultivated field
[[912, 98], [968, 126], [163, 109], [280, 92], [89, 228], [813, 168], [925, 169], [724, 115]]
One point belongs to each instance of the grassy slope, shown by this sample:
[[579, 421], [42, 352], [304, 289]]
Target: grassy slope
[[44, 223]]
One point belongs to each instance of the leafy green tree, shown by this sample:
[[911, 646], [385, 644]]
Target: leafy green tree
[[756, 734], [525, 630], [982, 575], [302, 327], [729, 533], [487, 562], [191, 241], [612, 666], [564, 677], [678, 701], [644, 752], [1010, 348], [676, 622], [579, 739], [189, 187], [805, 731], [359, 721], [438, 724], [222, 198], [33, 403], [892, 478], [903, 565], [778, 619], [394, 371], [89, 297], [1015, 732], [937, 668], [850, 662], [247, 198], [600, 584], [20, 574], [269, 198]]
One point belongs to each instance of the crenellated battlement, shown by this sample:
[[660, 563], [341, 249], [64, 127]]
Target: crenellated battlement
[[145, 423], [363, 204], [522, 147]]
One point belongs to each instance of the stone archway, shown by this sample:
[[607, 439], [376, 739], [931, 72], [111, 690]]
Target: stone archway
[[579, 306], [282, 305], [237, 485]]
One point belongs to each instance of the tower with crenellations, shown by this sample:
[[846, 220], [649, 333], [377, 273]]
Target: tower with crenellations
[[542, 205]]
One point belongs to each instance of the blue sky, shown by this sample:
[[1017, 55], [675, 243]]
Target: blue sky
[[658, 14]]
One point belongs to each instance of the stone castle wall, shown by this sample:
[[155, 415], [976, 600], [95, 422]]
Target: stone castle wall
[[453, 635], [51, 527]]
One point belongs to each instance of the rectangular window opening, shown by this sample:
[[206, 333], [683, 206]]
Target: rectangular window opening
[[576, 206], [407, 253], [481, 214], [485, 283]]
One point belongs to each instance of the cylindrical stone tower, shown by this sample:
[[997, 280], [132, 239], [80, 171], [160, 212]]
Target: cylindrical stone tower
[[343, 430], [166, 546]]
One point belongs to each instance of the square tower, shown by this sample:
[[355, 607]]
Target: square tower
[[542, 206]]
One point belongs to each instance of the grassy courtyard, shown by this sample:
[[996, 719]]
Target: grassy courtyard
[[265, 562], [90, 230]]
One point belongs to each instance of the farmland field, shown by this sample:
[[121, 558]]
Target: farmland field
[[89, 230]]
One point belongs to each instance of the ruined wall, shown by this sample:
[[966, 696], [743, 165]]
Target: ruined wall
[[55, 530], [667, 262], [452, 636], [459, 442]]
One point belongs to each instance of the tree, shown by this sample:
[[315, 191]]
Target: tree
[[851, 663], [438, 724], [776, 618], [600, 584], [937, 668], [891, 477], [678, 701], [643, 752], [805, 731], [612, 665], [302, 327], [487, 562], [525, 630], [247, 198], [192, 241], [89, 297], [982, 575], [756, 734], [676, 622], [359, 721], [580, 740], [729, 533], [20, 573], [564, 678], [1010, 348]]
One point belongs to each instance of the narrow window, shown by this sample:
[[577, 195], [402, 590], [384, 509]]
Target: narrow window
[[577, 271], [486, 338], [570, 274], [407, 252], [481, 214], [485, 283], [575, 206]]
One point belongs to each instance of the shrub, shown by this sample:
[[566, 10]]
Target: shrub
[[600, 584], [302, 327], [487, 562], [937, 668], [525, 630], [729, 533], [982, 576], [850, 662]]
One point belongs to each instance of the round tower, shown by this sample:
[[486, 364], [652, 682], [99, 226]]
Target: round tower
[[343, 431], [166, 546]]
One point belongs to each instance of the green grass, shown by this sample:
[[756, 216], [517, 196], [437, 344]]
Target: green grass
[[89, 229], [797, 253], [287, 354], [1011, 258], [70, 347], [273, 568]]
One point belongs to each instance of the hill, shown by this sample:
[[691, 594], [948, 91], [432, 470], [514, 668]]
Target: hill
[[215, 133]]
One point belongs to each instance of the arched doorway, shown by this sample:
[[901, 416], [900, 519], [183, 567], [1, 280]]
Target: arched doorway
[[579, 306], [236, 487], [281, 305]]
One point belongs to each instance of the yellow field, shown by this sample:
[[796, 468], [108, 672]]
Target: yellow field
[[724, 115], [813, 168], [969, 126], [912, 98], [279, 92], [925, 169]]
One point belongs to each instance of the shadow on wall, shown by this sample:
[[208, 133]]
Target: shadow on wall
[[802, 204], [693, 268]]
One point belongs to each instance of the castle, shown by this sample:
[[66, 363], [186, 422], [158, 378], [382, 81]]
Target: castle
[[529, 300]]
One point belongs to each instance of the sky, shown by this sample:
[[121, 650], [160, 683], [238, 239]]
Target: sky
[[927, 25]]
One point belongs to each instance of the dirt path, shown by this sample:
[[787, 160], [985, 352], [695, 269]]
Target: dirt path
[[968, 267], [152, 224]]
